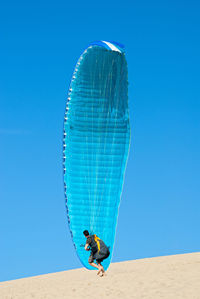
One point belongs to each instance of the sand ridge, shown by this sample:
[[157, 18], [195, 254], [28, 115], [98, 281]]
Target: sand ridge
[[176, 277]]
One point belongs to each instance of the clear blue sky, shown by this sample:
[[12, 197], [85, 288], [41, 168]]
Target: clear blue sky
[[40, 44]]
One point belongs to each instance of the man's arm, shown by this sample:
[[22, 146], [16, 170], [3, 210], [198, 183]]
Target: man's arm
[[86, 247], [88, 242]]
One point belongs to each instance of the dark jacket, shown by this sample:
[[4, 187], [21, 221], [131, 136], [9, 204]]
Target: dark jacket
[[97, 246]]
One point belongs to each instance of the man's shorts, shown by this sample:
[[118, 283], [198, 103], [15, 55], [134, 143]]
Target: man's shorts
[[91, 258], [99, 259]]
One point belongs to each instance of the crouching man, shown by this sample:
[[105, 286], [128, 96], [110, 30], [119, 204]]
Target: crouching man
[[99, 251]]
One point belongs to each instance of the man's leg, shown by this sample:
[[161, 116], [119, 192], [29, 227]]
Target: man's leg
[[101, 268], [98, 266], [99, 261], [91, 261]]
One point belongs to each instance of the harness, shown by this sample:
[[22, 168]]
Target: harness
[[96, 239]]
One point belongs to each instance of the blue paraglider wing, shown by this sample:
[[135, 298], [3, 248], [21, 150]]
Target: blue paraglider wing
[[96, 144]]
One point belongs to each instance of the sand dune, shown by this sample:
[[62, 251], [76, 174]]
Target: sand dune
[[176, 276]]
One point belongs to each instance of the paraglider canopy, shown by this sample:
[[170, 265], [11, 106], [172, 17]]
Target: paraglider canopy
[[96, 143]]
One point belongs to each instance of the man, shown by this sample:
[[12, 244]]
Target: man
[[99, 251]]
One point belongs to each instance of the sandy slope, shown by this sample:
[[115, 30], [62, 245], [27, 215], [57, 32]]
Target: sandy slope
[[176, 276]]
